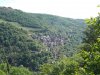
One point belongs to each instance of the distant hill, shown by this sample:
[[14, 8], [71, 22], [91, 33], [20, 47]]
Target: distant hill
[[38, 36]]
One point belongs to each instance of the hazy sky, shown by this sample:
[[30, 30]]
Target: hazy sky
[[65, 8]]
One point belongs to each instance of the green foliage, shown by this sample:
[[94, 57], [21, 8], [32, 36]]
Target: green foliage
[[14, 70], [13, 16], [65, 66], [19, 47], [91, 50], [68, 28], [46, 69], [20, 71], [2, 73], [3, 67]]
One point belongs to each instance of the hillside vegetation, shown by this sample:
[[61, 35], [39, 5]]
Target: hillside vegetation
[[30, 40], [51, 30]]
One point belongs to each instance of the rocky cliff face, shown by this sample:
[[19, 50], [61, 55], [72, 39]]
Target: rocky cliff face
[[50, 40]]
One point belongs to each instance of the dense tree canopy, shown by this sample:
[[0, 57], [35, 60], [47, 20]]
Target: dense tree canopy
[[60, 30], [91, 50], [45, 43], [87, 62], [19, 48]]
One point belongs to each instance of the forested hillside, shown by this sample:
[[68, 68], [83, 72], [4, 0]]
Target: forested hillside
[[30, 40], [86, 62], [51, 30]]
